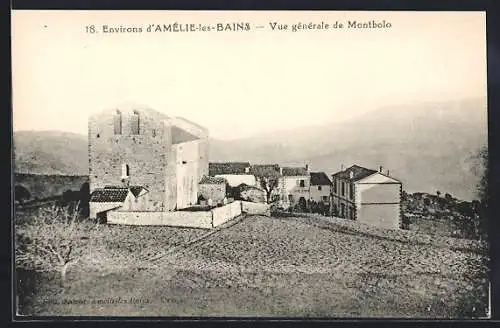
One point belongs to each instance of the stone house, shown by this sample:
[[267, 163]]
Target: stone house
[[368, 196], [293, 186], [138, 146], [213, 189], [320, 187]]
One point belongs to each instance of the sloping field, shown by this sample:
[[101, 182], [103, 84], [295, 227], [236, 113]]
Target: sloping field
[[280, 267]]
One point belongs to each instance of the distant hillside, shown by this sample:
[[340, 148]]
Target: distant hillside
[[50, 152], [428, 146]]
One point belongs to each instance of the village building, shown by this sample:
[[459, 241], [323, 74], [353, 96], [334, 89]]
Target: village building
[[213, 189], [368, 196], [235, 173], [293, 186], [138, 148], [320, 187]]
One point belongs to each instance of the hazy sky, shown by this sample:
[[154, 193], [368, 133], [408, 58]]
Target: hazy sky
[[240, 83]]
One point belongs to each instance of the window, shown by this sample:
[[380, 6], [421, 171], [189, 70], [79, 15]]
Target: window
[[342, 188], [353, 216], [135, 123], [351, 191], [325, 198], [118, 122], [319, 188], [334, 186], [154, 133], [125, 171], [342, 210], [302, 183]]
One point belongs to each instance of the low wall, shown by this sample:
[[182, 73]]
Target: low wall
[[225, 213], [175, 219], [255, 208], [186, 219]]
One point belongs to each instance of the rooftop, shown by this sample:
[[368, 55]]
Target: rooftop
[[294, 171], [212, 180], [320, 179], [358, 173], [109, 195], [227, 168]]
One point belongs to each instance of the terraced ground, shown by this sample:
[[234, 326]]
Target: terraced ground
[[265, 266]]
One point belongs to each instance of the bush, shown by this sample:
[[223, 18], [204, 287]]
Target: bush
[[52, 240]]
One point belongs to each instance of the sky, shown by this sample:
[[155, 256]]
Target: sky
[[240, 83]]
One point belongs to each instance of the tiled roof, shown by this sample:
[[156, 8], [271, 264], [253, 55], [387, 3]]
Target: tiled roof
[[264, 167], [358, 173], [109, 195], [320, 179], [212, 180], [136, 190], [294, 171], [227, 168]]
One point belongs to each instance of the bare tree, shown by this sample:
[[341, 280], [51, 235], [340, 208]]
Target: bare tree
[[268, 178], [53, 239]]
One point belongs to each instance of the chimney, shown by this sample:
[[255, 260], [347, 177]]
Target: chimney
[[380, 169]]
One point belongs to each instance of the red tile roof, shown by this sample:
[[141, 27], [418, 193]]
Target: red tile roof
[[320, 179], [358, 173], [294, 171], [212, 180], [227, 168], [109, 195]]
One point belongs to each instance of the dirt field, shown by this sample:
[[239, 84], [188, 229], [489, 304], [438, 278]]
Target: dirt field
[[266, 267]]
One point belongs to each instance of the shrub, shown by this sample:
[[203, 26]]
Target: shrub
[[52, 240]]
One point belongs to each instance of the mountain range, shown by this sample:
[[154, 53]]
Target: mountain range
[[429, 146]]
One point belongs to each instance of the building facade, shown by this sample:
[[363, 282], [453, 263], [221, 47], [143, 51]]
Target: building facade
[[138, 146], [213, 189], [320, 187], [293, 186], [368, 196]]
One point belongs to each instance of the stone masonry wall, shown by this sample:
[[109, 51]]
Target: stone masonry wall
[[146, 154]]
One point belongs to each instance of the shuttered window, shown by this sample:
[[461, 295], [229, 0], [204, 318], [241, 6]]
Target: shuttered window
[[118, 122], [135, 123]]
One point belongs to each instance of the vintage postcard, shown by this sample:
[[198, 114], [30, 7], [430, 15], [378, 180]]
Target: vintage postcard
[[250, 164]]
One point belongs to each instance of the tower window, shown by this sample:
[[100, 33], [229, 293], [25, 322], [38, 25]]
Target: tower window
[[125, 171], [135, 123], [118, 122]]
